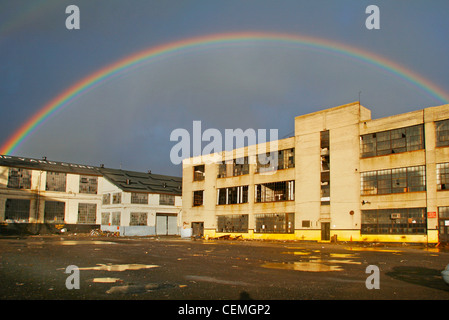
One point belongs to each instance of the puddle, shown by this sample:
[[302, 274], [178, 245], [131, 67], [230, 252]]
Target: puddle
[[105, 280], [372, 249], [342, 255], [215, 280], [77, 242], [133, 289], [120, 267], [313, 266], [298, 253]]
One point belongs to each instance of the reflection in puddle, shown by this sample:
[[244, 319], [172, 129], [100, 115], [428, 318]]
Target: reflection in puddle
[[105, 280], [73, 242], [313, 266], [372, 249], [120, 267], [298, 253]]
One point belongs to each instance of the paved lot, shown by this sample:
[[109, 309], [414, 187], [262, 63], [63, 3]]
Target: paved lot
[[176, 269]]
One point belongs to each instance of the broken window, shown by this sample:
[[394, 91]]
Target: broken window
[[232, 223], [325, 167], [106, 198], [198, 198], [394, 221], [138, 219], [275, 223], [139, 198], [19, 178], [115, 221], [392, 141], [88, 184], [241, 166], [442, 133], [275, 191], [232, 195], [266, 162], [286, 159], [198, 173], [443, 176], [54, 212], [87, 213], [117, 198], [17, 210], [167, 199], [105, 218], [56, 181], [398, 180]]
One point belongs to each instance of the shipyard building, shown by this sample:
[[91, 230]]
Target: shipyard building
[[341, 176]]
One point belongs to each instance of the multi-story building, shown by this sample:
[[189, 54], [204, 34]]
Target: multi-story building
[[341, 175], [41, 196]]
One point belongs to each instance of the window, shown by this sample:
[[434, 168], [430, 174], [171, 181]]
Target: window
[[241, 166], [394, 221], [443, 176], [399, 180], [275, 191], [198, 173], [305, 223], [275, 223], [392, 141], [87, 213], [117, 198], [54, 212], [139, 198], [138, 219], [232, 223], [325, 180], [276, 160], [197, 198], [105, 218], [442, 133], [19, 178], [167, 199], [17, 210], [115, 219], [88, 184], [56, 181], [232, 195], [106, 198]]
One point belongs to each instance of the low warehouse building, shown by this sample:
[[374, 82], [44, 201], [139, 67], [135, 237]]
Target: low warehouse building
[[43, 196]]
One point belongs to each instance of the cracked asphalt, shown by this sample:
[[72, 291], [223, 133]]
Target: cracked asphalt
[[170, 268]]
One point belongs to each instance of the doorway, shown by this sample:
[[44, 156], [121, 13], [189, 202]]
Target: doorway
[[325, 231], [166, 224], [197, 229]]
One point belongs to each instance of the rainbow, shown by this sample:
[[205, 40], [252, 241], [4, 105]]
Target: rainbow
[[223, 39]]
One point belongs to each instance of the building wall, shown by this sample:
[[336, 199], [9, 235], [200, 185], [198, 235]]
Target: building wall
[[125, 207], [38, 195], [72, 197], [343, 214]]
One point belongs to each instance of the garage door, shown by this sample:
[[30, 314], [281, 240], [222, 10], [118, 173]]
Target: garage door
[[166, 224]]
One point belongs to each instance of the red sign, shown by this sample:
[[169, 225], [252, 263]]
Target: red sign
[[431, 214]]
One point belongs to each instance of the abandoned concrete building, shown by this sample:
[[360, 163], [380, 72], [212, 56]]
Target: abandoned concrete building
[[43, 196], [342, 175]]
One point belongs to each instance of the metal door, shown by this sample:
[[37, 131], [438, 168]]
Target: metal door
[[325, 230]]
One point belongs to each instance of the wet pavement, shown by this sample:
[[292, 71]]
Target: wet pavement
[[177, 269]]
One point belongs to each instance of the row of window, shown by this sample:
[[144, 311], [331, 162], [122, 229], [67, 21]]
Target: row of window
[[56, 181], [264, 223], [402, 140], [18, 210], [271, 161], [266, 192], [400, 180], [138, 198]]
